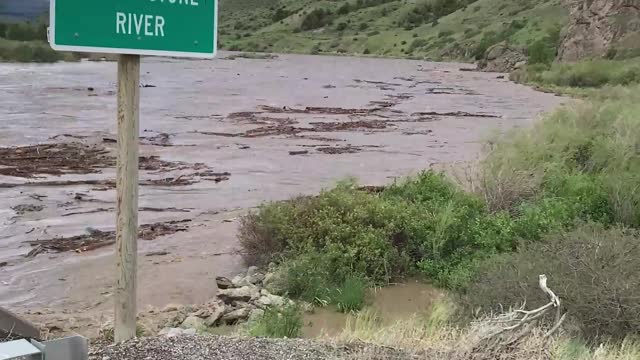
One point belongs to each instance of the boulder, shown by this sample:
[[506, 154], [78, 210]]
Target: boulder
[[242, 304], [271, 300], [252, 270], [172, 307], [255, 314], [212, 320], [193, 322], [211, 311], [223, 282], [502, 57], [245, 293], [255, 279], [235, 316], [240, 281]]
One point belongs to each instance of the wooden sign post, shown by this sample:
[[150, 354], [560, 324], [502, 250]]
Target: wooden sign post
[[185, 28], [124, 325]]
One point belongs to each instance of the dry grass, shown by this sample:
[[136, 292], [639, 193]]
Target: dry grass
[[432, 336]]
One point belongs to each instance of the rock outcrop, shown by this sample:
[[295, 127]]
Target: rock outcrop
[[600, 28], [239, 300], [503, 58]]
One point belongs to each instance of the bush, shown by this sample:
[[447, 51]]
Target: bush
[[278, 323], [417, 43], [427, 11], [350, 296], [341, 26], [592, 269], [584, 154], [26, 31], [543, 51], [316, 19], [29, 52]]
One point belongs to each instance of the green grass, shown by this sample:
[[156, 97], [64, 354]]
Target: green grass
[[579, 78], [278, 323], [350, 296]]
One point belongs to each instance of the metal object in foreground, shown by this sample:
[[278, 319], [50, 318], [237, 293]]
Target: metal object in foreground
[[70, 348]]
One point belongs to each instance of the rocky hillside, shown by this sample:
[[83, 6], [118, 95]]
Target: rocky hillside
[[432, 29], [597, 28]]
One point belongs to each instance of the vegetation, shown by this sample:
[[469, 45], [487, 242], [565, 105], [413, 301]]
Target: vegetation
[[350, 297], [590, 73], [594, 273], [459, 30], [436, 332], [27, 42], [560, 198], [285, 322], [32, 51]]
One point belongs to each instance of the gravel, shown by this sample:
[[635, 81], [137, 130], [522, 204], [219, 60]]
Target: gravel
[[233, 348]]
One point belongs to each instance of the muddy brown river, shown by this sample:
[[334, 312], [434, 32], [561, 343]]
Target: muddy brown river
[[218, 137]]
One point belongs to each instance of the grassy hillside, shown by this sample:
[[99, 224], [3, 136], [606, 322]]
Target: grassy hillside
[[432, 29]]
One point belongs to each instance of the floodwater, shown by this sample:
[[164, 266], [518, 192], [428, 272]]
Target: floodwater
[[280, 127], [389, 304]]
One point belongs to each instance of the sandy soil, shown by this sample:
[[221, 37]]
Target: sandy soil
[[279, 127]]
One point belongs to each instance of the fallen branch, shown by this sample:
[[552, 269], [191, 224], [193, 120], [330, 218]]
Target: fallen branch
[[509, 330]]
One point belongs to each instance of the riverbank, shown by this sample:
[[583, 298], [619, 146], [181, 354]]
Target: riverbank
[[279, 127]]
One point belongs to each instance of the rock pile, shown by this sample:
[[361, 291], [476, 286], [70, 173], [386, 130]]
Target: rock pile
[[502, 57], [240, 299]]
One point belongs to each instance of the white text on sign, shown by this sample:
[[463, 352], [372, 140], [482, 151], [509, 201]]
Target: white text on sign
[[147, 25]]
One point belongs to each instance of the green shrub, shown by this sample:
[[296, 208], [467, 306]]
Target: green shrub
[[593, 73], [592, 269], [342, 26], [350, 296], [29, 52], [543, 51], [280, 14], [417, 43], [278, 323], [26, 31], [316, 19], [583, 155]]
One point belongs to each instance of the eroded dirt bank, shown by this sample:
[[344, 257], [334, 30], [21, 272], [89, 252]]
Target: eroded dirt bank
[[218, 137]]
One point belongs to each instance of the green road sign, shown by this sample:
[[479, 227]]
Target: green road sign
[[183, 28]]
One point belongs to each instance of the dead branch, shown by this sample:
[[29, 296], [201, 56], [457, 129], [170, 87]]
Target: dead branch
[[509, 330]]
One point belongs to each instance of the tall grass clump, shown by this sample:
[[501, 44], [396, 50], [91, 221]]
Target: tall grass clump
[[584, 74], [350, 296], [586, 152], [283, 322]]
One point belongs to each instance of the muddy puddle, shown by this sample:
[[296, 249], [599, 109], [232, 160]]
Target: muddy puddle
[[389, 304], [217, 138]]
